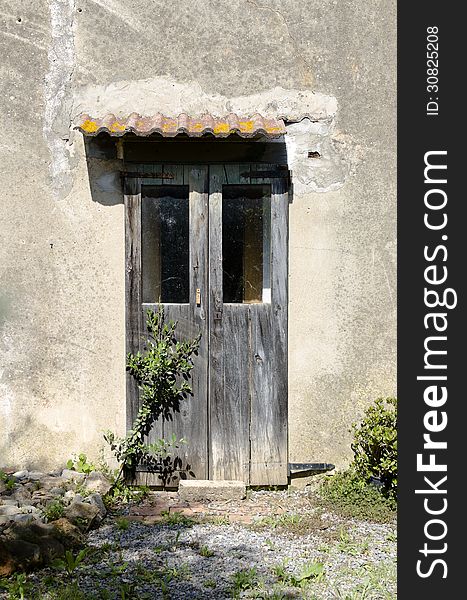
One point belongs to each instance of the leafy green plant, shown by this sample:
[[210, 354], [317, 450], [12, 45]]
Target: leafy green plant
[[127, 591], [219, 520], [121, 492], [68, 592], [347, 545], [242, 580], [280, 571], [176, 518], [122, 523], [375, 445], [80, 464], [16, 587], [206, 552], [7, 480], [53, 511], [311, 570], [161, 372], [70, 562]]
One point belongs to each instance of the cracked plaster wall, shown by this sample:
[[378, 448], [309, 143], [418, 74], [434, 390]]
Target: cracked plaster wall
[[61, 252]]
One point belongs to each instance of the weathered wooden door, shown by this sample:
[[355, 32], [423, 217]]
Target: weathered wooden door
[[210, 244]]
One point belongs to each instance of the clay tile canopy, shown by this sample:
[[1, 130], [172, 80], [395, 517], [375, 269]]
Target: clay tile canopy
[[171, 126]]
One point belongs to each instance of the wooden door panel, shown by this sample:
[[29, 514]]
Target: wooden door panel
[[248, 352], [191, 421]]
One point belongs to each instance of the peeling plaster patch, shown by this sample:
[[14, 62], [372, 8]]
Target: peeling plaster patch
[[323, 174], [61, 58], [164, 95]]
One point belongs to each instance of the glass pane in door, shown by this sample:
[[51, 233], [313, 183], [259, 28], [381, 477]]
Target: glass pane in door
[[165, 244], [246, 243]]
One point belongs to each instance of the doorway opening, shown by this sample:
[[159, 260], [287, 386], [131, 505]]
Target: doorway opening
[[209, 240]]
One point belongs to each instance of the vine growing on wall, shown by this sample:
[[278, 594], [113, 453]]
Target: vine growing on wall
[[162, 372]]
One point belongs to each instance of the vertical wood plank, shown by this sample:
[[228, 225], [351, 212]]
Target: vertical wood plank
[[216, 367], [132, 202], [191, 422], [229, 401], [269, 449]]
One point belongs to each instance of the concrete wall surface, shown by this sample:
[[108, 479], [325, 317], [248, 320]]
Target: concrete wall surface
[[62, 313]]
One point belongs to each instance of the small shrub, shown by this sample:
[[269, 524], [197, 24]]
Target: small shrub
[[375, 445], [161, 372], [347, 494]]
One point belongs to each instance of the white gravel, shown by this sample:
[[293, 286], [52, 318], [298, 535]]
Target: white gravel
[[175, 553]]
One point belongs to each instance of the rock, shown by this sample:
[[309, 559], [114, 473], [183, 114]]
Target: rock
[[42, 498], [196, 490], [18, 555], [77, 498], [97, 482], [8, 501], [96, 499], [69, 495], [55, 473], [50, 548], [83, 515], [46, 482], [21, 474], [24, 518], [21, 495], [27, 545], [68, 534], [3, 487], [31, 532], [68, 475], [4, 520], [30, 510], [9, 510], [36, 475], [57, 491]]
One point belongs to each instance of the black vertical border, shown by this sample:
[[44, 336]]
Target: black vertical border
[[418, 134]]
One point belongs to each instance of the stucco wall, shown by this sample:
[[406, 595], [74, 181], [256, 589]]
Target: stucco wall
[[61, 255]]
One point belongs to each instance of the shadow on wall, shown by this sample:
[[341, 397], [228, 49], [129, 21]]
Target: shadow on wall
[[37, 456], [105, 168]]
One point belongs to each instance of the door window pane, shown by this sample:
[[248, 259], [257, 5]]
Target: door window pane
[[246, 243], [165, 243]]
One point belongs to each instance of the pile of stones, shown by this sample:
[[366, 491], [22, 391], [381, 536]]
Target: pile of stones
[[44, 514]]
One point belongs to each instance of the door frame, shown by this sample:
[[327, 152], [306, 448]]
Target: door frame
[[207, 184]]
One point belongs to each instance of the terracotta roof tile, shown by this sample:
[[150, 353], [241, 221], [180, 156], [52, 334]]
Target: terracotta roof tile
[[172, 126]]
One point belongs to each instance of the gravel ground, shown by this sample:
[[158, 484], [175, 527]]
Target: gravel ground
[[205, 560]]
